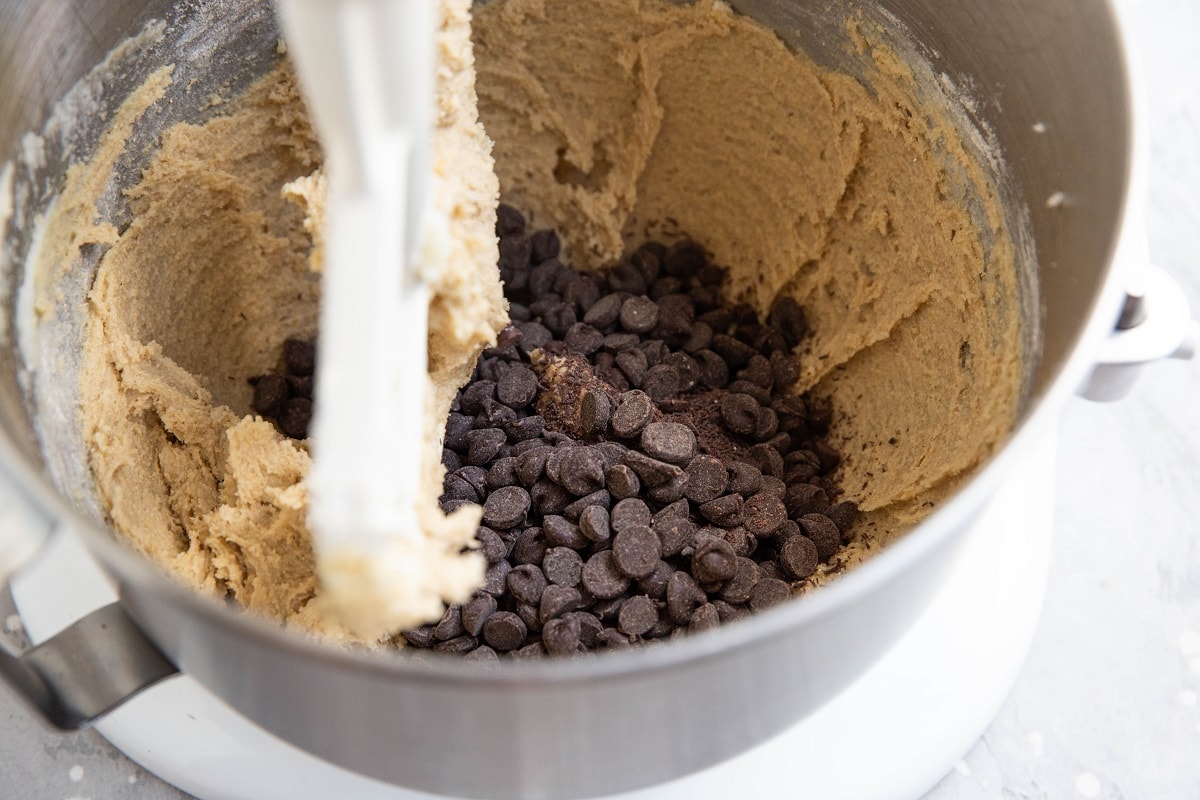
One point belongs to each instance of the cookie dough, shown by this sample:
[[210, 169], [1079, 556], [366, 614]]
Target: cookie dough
[[619, 121], [612, 120]]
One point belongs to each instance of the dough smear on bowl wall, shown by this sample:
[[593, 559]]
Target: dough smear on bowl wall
[[614, 122]]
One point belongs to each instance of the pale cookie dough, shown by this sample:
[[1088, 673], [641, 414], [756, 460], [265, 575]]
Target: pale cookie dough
[[613, 120], [197, 296], [617, 120]]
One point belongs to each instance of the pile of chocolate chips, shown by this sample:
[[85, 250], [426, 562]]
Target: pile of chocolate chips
[[643, 471], [285, 397]]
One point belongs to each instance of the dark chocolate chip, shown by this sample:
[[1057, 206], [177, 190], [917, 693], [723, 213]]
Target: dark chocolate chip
[[475, 612], [529, 547], [628, 513], [504, 631], [674, 533], [706, 479], [637, 615], [560, 532], [684, 259], [764, 514], [661, 382], [805, 498], [581, 471], [562, 566], [669, 441], [517, 387], [483, 445], [594, 523], [558, 600], [705, 618], [634, 411], [636, 550], [299, 356], [713, 560], [823, 532], [843, 515], [714, 372], [638, 314], [583, 339], [561, 637], [740, 587], [622, 482], [295, 417], [526, 583], [798, 557], [768, 592], [725, 511], [506, 508], [684, 596], [739, 412], [651, 471], [270, 393], [544, 245], [602, 578], [509, 221], [787, 315]]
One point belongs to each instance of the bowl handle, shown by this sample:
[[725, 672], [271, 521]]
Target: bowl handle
[[1155, 324], [92, 665]]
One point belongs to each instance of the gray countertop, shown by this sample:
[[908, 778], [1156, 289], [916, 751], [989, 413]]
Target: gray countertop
[[1108, 703]]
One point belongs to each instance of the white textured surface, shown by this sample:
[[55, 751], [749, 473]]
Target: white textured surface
[[1107, 705]]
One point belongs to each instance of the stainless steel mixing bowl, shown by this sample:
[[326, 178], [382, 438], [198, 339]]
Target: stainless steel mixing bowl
[[1049, 84]]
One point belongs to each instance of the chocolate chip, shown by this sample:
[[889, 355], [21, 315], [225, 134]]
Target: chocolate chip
[[787, 315], [823, 532], [626, 278], [705, 618], [768, 592], [491, 545], [684, 259], [622, 482], [576, 508], [561, 637], [483, 654], [450, 625], [706, 479], [299, 356], [674, 533], [562, 566], [740, 587], [295, 417], [669, 441], [700, 338], [745, 479], [764, 514], [634, 364], [739, 412], [601, 576], [661, 382], [843, 515], [636, 550], [560, 532], [459, 646], [638, 314], [558, 600], [798, 557], [270, 393], [517, 387], [544, 245], [767, 459], [583, 339], [634, 411], [494, 579], [714, 372], [503, 473], [534, 336], [713, 560], [637, 615], [483, 445], [420, 637], [526, 583], [687, 368], [506, 508], [594, 523], [475, 612], [828, 457], [531, 464], [509, 221], [684, 596], [805, 498], [529, 547], [651, 471], [628, 513], [604, 312], [581, 471], [736, 354], [504, 631], [725, 511], [670, 491]]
